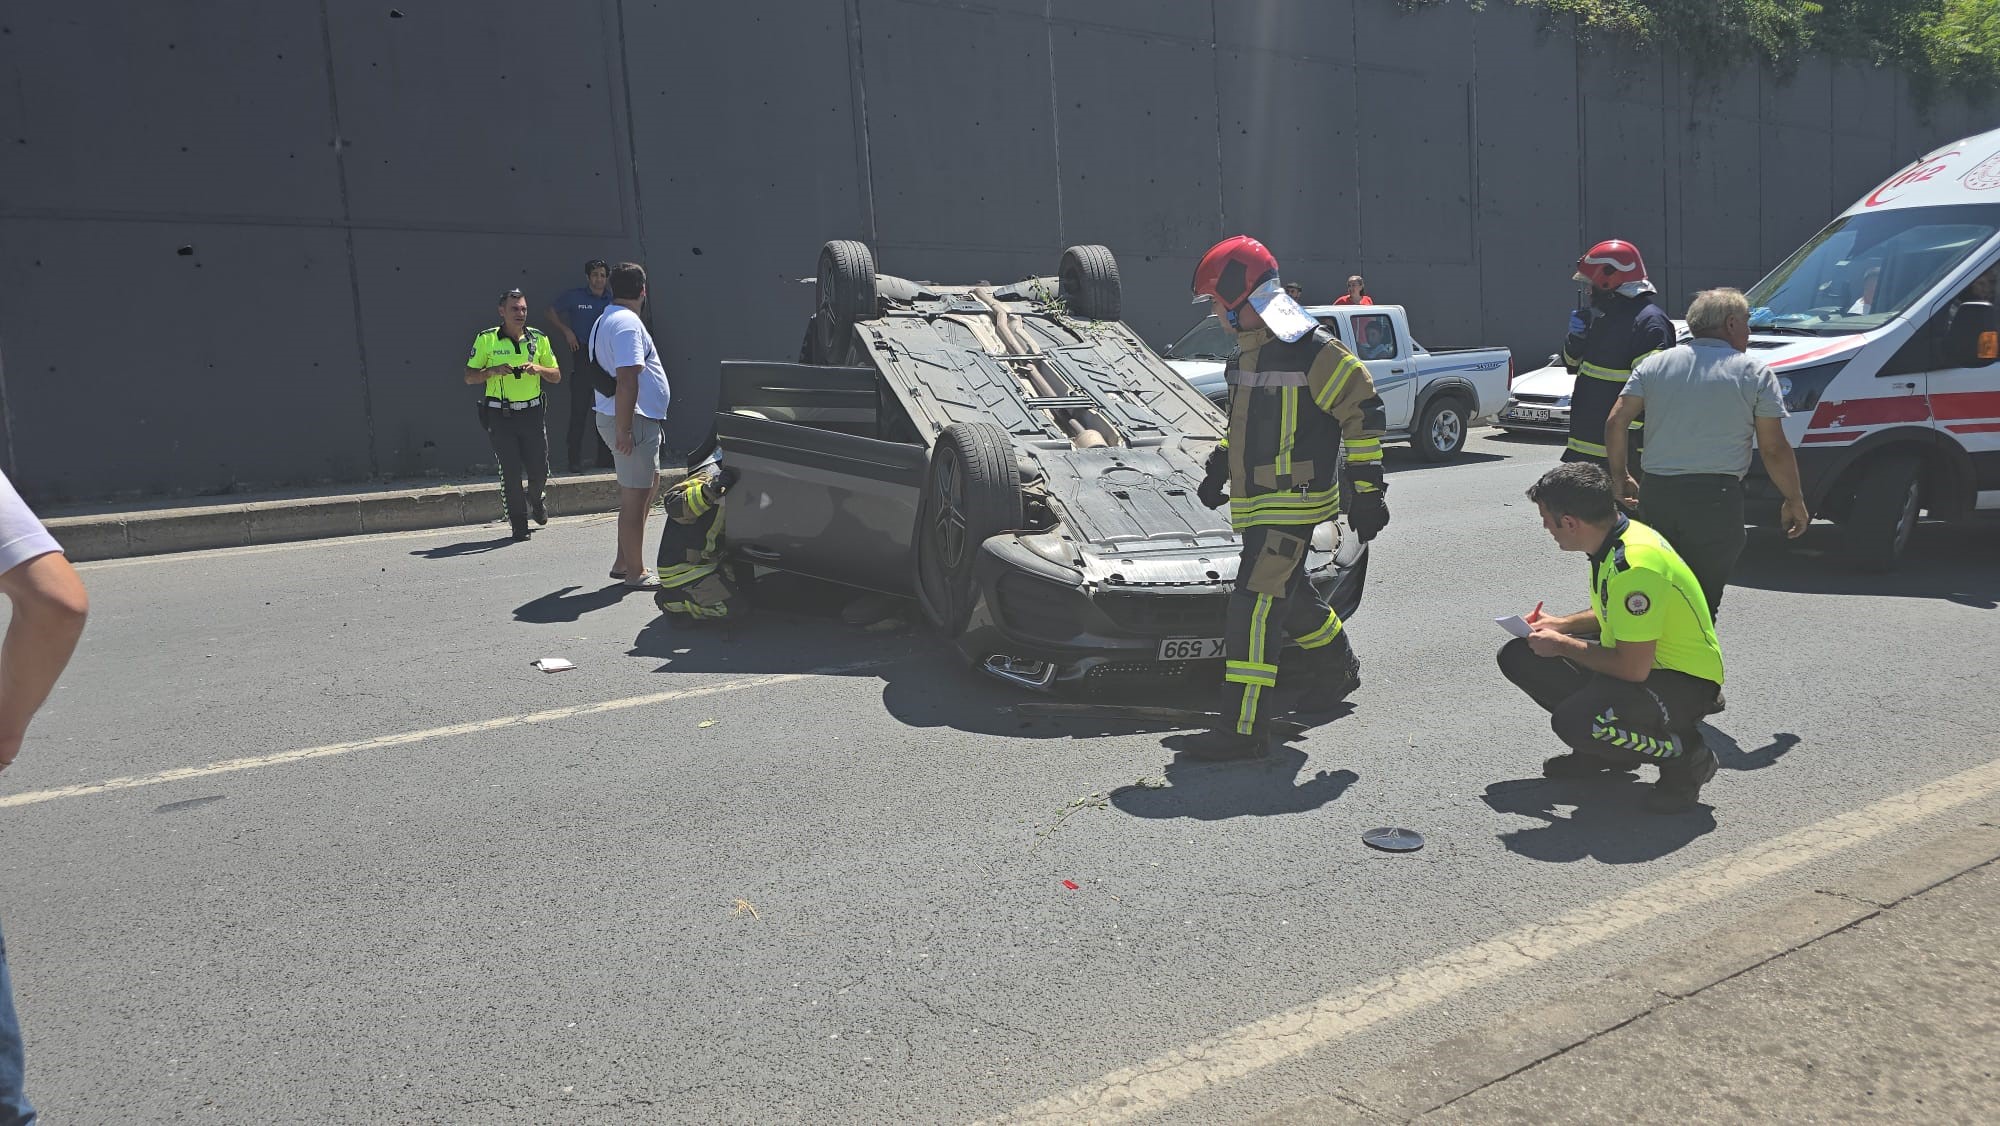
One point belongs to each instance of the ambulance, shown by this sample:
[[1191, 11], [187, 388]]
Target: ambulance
[[1883, 334]]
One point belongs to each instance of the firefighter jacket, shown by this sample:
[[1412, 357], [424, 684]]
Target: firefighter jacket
[[1621, 332], [691, 543], [1293, 407]]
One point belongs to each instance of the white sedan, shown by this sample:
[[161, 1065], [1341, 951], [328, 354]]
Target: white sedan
[[1538, 401]]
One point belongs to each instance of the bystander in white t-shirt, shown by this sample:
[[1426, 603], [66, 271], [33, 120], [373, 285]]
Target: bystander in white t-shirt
[[620, 340]]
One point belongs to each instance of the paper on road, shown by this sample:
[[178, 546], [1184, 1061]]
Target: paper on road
[[1514, 624]]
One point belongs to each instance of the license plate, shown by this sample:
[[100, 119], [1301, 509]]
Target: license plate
[[1191, 649], [1529, 414]]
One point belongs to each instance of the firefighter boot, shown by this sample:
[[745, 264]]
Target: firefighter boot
[[1331, 673], [1225, 744]]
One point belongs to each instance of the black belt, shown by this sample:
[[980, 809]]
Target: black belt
[[511, 405]]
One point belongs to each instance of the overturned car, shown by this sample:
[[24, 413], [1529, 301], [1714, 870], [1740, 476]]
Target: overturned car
[[1014, 457]]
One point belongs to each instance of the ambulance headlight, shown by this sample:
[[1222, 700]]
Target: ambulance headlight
[[1802, 387]]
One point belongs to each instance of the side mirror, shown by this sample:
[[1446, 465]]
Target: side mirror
[[1973, 340]]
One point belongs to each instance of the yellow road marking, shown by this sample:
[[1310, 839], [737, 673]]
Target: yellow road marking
[[1165, 1080], [406, 738]]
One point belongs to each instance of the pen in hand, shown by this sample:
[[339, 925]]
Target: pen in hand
[[1535, 614]]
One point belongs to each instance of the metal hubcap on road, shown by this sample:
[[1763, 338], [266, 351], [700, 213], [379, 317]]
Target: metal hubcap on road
[[1446, 430], [949, 524]]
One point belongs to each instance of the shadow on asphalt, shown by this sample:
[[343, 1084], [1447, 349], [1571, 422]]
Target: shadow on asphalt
[[564, 606], [1402, 459], [1218, 791], [469, 547], [1948, 562], [1607, 822], [1731, 756]]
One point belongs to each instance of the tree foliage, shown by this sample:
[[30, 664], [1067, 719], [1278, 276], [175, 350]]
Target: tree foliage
[[1943, 44]]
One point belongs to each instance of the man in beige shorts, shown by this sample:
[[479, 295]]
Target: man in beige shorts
[[631, 421]]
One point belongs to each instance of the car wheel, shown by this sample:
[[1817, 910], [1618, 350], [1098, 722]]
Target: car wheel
[[1885, 510], [846, 294], [1439, 434], [1089, 283], [973, 492]]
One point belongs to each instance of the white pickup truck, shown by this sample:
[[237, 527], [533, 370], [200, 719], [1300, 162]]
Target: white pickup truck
[[1432, 398]]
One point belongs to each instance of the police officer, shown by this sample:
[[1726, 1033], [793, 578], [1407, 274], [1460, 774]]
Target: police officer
[[514, 361], [1296, 397], [1627, 681], [1622, 325], [693, 588]]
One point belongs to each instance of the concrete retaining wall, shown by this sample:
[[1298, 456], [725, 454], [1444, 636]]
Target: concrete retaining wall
[[247, 244]]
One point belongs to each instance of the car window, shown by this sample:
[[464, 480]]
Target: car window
[[1332, 324], [1207, 340], [1374, 336], [1864, 270]]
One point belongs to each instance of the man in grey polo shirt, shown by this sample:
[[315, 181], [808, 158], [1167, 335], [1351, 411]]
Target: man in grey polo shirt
[[1704, 403]]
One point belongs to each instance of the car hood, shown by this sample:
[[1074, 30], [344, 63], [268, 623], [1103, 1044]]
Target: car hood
[[1552, 381]]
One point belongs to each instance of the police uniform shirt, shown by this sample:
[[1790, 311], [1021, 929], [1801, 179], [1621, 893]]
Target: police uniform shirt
[[1642, 591], [492, 349]]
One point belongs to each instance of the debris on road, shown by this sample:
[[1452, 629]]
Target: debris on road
[[554, 664], [745, 907], [706, 723], [1070, 884], [1393, 840]]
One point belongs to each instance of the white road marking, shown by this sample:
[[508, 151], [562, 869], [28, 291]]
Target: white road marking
[[492, 529], [1168, 1079], [406, 738]]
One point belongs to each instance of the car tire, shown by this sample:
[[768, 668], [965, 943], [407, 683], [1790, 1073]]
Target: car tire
[[1885, 510], [846, 293], [973, 491], [1088, 282], [1439, 434]]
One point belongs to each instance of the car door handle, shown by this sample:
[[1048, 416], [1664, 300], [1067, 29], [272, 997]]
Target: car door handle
[[1907, 386], [762, 553], [1397, 371]]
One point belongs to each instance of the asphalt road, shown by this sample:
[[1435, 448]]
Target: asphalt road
[[707, 879]]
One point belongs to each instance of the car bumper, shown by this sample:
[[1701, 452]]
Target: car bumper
[[1033, 628], [1553, 420]]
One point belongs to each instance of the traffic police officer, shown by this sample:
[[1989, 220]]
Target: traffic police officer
[[693, 587], [1296, 398], [513, 361], [1627, 681], [1622, 325]]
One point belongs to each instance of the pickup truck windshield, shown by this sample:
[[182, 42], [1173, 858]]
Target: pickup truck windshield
[[1865, 270], [1205, 341]]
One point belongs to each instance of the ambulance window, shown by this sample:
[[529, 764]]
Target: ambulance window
[[1865, 270]]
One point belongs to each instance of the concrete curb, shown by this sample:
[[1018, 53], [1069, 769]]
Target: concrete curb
[[115, 535], [1452, 1069]]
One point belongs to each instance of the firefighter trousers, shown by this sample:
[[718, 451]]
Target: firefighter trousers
[[1272, 606]]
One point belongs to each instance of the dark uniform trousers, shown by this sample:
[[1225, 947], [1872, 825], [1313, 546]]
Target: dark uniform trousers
[[1610, 718], [1272, 605], [581, 435], [521, 442], [1701, 515]]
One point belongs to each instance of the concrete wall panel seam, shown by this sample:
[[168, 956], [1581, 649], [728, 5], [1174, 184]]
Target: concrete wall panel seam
[[347, 217]]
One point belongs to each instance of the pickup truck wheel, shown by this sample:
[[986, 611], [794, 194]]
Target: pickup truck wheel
[[1439, 434], [973, 492], [846, 294], [1089, 283], [1884, 513]]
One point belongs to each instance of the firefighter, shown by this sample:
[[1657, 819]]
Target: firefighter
[[1296, 397], [1622, 325], [694, 589]]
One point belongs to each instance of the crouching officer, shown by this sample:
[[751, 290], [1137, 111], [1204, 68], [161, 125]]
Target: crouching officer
[[1627, 681], [693, 587], [1296, 397], [513, 361]]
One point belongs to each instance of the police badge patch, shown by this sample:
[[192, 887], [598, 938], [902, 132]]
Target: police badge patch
[[1637, 603]]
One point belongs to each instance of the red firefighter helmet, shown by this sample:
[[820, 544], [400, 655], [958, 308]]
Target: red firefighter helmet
[[1232, 269], [1612, 264]]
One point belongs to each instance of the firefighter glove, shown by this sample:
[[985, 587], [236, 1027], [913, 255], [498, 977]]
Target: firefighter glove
[[1369, 515], [725, 479], [1214, 491]]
